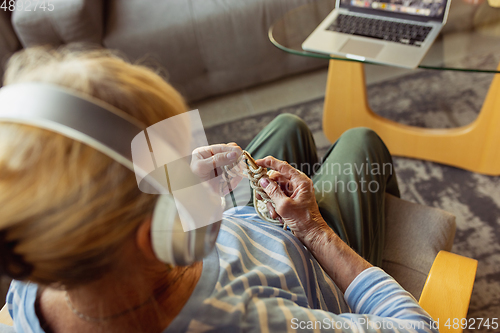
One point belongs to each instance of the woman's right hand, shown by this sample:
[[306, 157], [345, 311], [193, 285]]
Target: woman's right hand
[[208, 162], [294, 198]]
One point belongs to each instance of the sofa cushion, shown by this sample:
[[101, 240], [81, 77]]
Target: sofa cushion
[[70, 21], [206, 46], [414, 236], [8, 40]]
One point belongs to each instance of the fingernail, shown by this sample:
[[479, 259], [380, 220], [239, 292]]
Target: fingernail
[[232, 155], [264, 182]]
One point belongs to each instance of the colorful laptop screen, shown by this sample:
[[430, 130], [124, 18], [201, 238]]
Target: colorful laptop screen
[[429, 8]]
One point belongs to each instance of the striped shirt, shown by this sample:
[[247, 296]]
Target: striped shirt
[[260, 278]]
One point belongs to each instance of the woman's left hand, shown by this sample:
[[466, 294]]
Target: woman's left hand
[[207, 163], [293, 194]]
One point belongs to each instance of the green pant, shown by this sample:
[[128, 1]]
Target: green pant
[[350, 183]]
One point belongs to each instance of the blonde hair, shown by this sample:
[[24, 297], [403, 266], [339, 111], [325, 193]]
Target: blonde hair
[[67, 208]]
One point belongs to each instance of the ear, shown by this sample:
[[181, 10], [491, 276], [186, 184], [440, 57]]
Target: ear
[[143, 240]]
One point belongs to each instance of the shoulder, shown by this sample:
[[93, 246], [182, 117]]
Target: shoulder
[[20, 302], [19, 291]]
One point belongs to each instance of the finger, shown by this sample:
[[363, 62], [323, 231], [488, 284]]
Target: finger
[[283, 182], [216, 172], [288, 188], [282, 167], [223, 148], [273, 190], [221, 159], [207, 151], [272, 173], [278, 177], [272, 211]]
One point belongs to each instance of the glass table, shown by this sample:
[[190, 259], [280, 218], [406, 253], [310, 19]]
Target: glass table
[[472, 29]]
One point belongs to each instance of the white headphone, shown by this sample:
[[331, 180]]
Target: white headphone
[[110, 131]]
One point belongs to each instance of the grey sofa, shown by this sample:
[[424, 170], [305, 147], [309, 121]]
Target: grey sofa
[[9, 43], [207, 47]]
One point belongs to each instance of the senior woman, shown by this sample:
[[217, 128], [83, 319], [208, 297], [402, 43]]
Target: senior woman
[[75, 229]]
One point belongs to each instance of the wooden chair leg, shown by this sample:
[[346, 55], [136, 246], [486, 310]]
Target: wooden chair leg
[[473, 147]]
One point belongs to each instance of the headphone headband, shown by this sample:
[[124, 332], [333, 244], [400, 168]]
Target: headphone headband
[[40, 105], [90, 121]]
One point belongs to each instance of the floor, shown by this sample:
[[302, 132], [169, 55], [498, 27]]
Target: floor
[[270, 96], [277, 94]]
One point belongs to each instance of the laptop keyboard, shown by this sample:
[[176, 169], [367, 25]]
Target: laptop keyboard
[[409, 34]]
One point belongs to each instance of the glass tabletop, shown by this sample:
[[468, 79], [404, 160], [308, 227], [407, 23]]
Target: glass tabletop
[[470, 40]]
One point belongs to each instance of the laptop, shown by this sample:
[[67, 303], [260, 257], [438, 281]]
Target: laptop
[[394, 32]]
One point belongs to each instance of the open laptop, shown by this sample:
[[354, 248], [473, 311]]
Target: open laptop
[[394, 32]]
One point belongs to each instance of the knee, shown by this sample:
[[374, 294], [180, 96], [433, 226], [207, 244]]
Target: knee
[[291, 123], [364, 138], [361, 134]]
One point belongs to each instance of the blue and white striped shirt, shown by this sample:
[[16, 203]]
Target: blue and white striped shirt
[[261, 278]]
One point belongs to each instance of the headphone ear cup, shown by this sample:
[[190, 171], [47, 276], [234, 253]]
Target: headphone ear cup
[[162, 226], [171, 244]]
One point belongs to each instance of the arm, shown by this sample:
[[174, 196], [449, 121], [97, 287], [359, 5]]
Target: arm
[[378, 302], [331, 252]]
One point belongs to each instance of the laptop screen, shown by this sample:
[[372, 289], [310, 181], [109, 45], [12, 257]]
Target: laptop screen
[[430, 9]]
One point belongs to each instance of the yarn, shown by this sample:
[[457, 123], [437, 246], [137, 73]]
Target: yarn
[[254, 173]]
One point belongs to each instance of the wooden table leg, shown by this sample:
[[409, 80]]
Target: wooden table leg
[[475, 147]]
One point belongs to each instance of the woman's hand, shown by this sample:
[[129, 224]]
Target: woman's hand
[[207, 163], [293, 194], [296, 204]]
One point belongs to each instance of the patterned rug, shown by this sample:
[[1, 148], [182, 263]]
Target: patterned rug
[[433, 99]]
